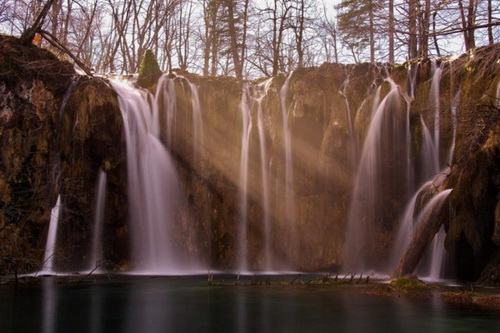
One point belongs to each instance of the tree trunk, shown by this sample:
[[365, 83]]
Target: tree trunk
[[299, 34], [412, 27], [244, 38], [234, 39], [391, 31], [436, 45], [471, 20], [468, 23], [30, 32], [372, 32], [490, 26], [424, 30]]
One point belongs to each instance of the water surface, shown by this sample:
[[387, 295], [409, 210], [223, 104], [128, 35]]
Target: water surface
[[188, 304]]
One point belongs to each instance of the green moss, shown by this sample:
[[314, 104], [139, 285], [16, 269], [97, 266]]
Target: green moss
[[149, 71], [406, 285]]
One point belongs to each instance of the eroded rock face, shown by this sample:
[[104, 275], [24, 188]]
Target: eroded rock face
[[92, 139], [47, 150], [32, 84]]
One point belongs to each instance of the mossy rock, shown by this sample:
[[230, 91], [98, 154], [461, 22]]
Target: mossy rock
[[149, 71], [406, 284]]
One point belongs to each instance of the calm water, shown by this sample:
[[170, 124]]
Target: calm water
[[141, 304]]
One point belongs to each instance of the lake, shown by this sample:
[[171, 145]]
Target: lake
[[187, 304]]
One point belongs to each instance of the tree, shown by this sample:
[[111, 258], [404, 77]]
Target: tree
[[327, 33], [468, 16], [391, 31], [357, 26]]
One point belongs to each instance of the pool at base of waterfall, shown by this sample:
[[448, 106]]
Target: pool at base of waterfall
[[123, 303]]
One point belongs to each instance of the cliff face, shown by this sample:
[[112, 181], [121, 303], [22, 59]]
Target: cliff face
[[53, 146], [297, 200], [91, 139], [32, 83]]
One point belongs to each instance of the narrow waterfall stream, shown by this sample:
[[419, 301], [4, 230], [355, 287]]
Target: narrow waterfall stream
[[96, 253], [50, 246], [289, 191], [242, 252]]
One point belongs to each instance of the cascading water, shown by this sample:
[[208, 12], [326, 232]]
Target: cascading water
[[100, 204], [430, 157], [352, 137], [154, 189], [498, 95], [50, 247], [242, 256], [289, 193], [197, 122], [366, 198], [166, 99], [438, 255], [167, 112], [435, 178], [264, 165], [434, 95], [247, 101]]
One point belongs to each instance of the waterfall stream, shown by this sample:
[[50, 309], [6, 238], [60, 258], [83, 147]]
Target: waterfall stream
[[96, 253], [154, 189], [366, 198], [50, 247]]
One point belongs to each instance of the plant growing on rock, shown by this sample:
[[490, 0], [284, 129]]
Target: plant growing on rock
[[149, 71]]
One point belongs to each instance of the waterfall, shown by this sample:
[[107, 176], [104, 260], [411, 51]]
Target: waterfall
[[434, 180], [412, 79], [166, 113], [352, 137], [248, 100], [430, 156], [197, 122], [437, 251], [498, 95], [242, 257], [50, 247], [154, 189], [100, 203], [289, 193], [438, 255], [408, 226], [166, 100], [454, 107], [435, 104], [264, 165], [366, 198]]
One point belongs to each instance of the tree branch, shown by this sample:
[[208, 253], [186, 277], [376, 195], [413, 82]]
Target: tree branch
[[54, 42]]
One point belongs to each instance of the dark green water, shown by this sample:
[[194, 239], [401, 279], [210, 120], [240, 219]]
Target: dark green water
[[141, 304]]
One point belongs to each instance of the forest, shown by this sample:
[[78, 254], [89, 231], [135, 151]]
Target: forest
[[249, 39]]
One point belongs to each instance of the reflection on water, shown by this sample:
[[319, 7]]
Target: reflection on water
[[141, 304]]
